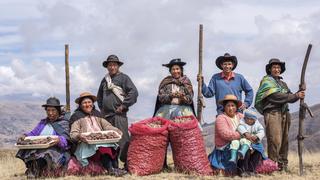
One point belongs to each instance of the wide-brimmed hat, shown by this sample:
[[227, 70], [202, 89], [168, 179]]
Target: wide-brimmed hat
[[84, 95], [174, 62], [112, 58], [231, 97], [226, 57], [52, 102], [275, 61]]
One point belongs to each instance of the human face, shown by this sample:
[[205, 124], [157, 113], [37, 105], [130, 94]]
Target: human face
[[275, 70], [176, 71], [250, 121], [86, 105], [227, 66], [52, 113], [230, 108], [113, 68]]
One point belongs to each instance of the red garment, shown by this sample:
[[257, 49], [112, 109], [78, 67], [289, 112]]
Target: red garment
[[228, 78], [224, 131], [95, 167], [103, 150]]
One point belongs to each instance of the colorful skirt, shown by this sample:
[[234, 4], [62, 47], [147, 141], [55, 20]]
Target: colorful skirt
[[219, 159], [172, 111], [54, 156]]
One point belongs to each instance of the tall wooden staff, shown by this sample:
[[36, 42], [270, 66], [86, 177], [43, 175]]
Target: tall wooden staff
[[302, 110], [200, 101], [67, 78]]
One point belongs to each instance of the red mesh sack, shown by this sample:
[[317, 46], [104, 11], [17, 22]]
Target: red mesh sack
[[267, 167], [188, 148], [148, 146]]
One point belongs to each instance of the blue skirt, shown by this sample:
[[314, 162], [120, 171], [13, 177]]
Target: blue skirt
[[219, 159]]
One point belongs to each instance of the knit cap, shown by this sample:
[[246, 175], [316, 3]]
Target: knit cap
[[251, 113]]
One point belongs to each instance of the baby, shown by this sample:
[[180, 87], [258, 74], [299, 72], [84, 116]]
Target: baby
[[251, 132]]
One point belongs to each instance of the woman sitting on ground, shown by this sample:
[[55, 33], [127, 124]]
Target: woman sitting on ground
[[87, 119], [41, 162], [225, 145]]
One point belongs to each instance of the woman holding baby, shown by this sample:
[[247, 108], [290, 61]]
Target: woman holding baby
[[230, 155]]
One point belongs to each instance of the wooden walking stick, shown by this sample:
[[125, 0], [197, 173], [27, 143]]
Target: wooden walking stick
[[302, 110], [67, 109], [200, 101]]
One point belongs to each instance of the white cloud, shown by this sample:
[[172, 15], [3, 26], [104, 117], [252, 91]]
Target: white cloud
[[145, 34]]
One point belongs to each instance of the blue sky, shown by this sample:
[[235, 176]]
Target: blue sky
[[146, 34]]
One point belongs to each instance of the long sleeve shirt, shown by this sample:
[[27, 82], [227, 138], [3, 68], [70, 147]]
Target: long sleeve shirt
[[219, 87], [63, 143], [279, 101], [108, 102], [225, 131]]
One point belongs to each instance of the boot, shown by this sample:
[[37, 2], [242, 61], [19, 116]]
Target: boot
[[234, 156], [243, 150]]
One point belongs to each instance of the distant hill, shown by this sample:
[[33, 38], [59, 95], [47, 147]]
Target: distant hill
[[19, 117]]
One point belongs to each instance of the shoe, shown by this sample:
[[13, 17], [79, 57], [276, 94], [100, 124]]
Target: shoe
[[117, 172], [254, 174], [244, 174], [234, 156], [166, 169], [30, 174], [283, 167]]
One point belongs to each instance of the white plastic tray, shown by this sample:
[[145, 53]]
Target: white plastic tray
[[37, 146], [102, 141]]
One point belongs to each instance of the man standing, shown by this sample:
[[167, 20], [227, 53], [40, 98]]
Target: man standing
[[272, 101], [115, 95], [227, 82]]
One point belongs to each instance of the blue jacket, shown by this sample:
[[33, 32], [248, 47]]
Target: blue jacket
[[218, 87]]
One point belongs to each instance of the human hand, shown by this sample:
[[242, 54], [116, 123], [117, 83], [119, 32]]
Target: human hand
[[247, 136], [120, 109], [243, 107], [199, 78], [254, 138], [82, 138], [21, 138], [301, 94]]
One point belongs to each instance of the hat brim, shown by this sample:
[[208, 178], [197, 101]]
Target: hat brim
[[282, 64], [79, 99], [238, 103], [105, 63], [51, 105], [221, 59], [172, 64]]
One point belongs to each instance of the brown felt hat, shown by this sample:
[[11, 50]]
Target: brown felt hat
[[84, 95], [112, 58], [226, 57], [275, 61], [231, 97]]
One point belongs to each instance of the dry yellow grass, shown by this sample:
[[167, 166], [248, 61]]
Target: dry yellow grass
[[12, 168]]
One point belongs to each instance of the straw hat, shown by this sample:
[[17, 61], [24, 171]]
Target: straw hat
[[84, 95], [231, 97]]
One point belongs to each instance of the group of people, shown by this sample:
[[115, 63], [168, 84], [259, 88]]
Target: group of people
[[238, 133]]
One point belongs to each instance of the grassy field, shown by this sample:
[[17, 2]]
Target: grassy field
[[12, 168]]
